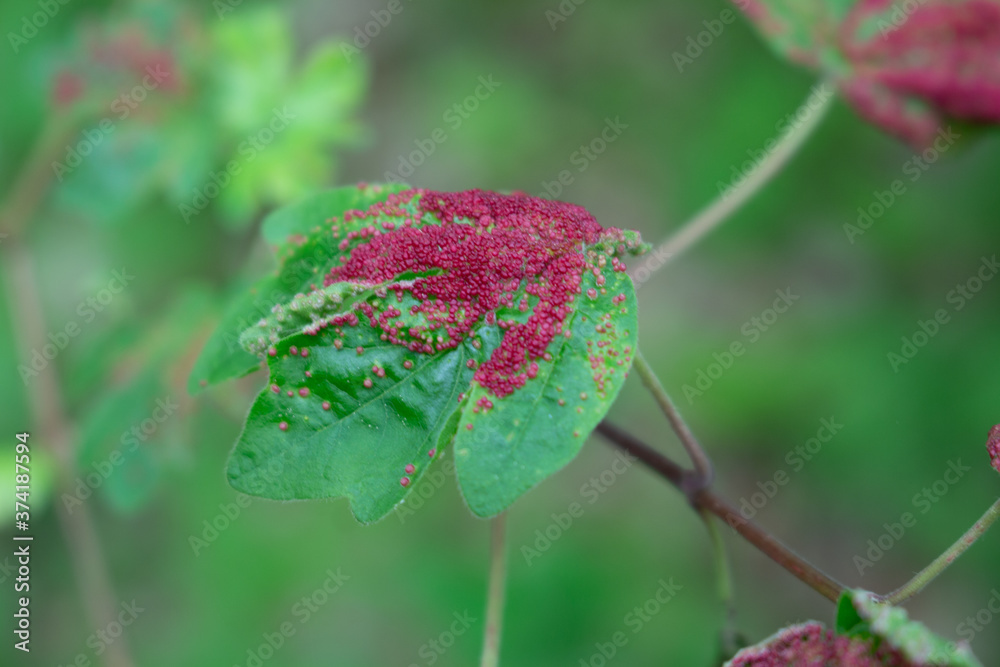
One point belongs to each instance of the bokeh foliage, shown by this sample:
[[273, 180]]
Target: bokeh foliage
[[686, 132]]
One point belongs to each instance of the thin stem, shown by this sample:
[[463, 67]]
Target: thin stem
[[699, 457], [705, 499], [730, 201], [49, 415], [941, 563], [495, 599], [45, 396], [805, 571], [724, 582], [35, 177], [666, 468]]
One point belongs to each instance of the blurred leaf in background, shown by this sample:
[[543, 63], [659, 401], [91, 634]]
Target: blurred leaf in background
[[120, 207], [218, 116]]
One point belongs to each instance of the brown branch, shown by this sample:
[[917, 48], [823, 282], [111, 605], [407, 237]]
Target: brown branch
[[707, 500]]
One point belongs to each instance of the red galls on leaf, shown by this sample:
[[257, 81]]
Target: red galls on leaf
[[474, 264], [913, 72], [993, 447], [869, 633], [810, 644], [911, 68]]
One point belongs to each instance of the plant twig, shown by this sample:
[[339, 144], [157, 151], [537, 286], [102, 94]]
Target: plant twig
[[805, 571], [495, 595], [705, 499], [35, 177], [727, 203], [699, 457], [650, 457], [941, 563], [44, 394]]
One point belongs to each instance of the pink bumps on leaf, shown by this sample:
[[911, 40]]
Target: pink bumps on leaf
[[941, 62], [993, 447], [812, 644], [488, 249], [908, 68]]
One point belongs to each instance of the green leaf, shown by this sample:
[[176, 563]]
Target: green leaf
[[122, 449], [891, 625], [303, 266], [304, 217], [285, 120], [546, 426], [374, 374], [804, 31], [848, 618], [344, 438]]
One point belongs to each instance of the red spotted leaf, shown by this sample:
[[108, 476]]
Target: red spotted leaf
[[909, 67], [811, 644], [502, 323], [993, 447], [868, 634]]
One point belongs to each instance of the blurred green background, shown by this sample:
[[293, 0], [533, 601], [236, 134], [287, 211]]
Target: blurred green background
[[306, 95]]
